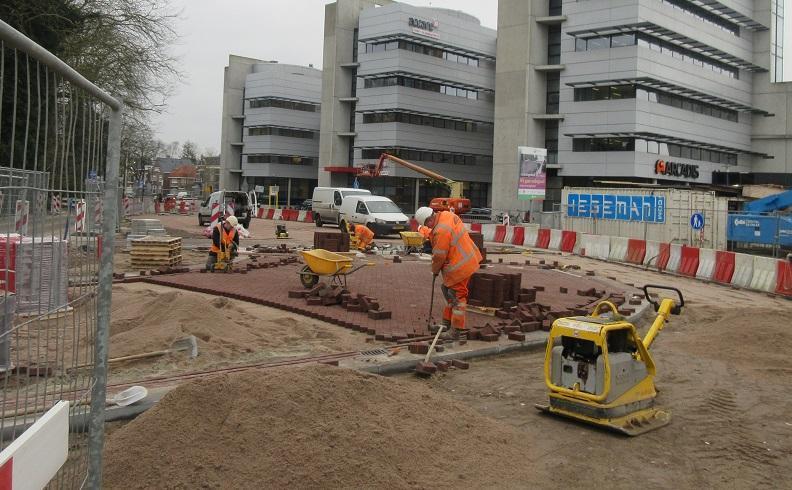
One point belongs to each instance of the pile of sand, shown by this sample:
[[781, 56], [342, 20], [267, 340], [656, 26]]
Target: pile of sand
[[149, 318], [316, 426]]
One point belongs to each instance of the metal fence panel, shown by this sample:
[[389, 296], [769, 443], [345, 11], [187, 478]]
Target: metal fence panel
[[59, 148]]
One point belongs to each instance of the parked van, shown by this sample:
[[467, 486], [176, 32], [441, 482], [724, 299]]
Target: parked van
[[379, 213], [326, 202], [243, 206]]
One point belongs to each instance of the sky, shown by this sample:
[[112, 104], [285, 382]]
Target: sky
[[290, 31]]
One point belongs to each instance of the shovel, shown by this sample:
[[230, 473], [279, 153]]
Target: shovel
[[187, 344], [427, 368]]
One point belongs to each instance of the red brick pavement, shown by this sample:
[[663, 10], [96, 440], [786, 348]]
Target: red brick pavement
[[402, 288]]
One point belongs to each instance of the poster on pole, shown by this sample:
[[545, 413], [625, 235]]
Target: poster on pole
[[533, 173]]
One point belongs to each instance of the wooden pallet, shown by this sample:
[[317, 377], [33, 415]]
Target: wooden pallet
[[157, 241], [156, 252], [152, 262]]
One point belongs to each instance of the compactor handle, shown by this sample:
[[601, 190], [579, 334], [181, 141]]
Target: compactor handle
[[676, 309]]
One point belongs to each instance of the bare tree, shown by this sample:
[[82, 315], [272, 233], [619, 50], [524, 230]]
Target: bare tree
[[190, 151]]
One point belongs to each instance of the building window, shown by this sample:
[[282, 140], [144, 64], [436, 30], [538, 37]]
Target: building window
[[644, 40], [551, 141], [280, 159], [555, 7], [551, 106], [277, 131], [454, 57], [651, 146], [704, 15], [553, 45], [431, 121], [292, 105], [467, 93], [428, 156], [632, 91]]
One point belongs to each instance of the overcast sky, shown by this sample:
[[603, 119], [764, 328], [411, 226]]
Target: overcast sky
[[290, 31]]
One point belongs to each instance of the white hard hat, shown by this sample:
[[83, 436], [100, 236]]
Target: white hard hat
[[233, 221], [423, 214]]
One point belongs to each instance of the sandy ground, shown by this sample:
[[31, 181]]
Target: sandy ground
[[722, 366], [147, 318]]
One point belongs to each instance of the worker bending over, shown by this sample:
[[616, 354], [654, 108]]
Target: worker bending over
[[224, 236], [457, 257], [363, 234], [426, 233]]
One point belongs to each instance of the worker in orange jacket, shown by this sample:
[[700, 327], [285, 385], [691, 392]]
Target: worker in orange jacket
[[426, 233], [457, 257], [224, 237], [363, 234]]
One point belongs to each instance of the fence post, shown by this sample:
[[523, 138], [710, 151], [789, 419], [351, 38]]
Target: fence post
[[99, 389]]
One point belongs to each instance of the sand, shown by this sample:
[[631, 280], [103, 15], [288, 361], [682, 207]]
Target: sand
[[148, 318], [312, 427]]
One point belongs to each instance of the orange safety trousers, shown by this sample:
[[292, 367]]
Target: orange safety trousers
[[456, 296]]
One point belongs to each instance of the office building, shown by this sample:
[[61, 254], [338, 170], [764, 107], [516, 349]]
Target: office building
[[645, 91], [414, 82], [270, 128]]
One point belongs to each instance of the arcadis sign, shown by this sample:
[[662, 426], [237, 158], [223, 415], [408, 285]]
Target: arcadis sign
[[647, 209]]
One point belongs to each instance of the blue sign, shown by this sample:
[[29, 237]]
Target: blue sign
[[356, 184], [620, 207], [758, 228], [92, 174], [697, 221]]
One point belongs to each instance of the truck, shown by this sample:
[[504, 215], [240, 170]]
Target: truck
[[763, 222]]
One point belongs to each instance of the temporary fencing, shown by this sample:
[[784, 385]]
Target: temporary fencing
[[59, 144]]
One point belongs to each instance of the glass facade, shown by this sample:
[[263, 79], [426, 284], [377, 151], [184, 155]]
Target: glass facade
[[292, 105], [443, 88], [280, 159], [704, 15], [278, 131], [410, 154], [464, 59], [642, 145], [301, 189], [777, 41], [420, 120], [636, 91]]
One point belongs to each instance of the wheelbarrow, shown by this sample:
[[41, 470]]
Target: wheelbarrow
[[321, 263], [413, 241]]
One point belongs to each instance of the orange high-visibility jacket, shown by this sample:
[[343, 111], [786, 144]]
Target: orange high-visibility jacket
[[453, 248], [425, 231], [226, 238], [364, 234]]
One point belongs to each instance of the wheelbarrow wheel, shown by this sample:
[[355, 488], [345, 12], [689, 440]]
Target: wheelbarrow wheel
[[307, 278]]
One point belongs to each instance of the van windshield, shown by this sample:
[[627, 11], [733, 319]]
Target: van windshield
[[356, 193], [382, 207]]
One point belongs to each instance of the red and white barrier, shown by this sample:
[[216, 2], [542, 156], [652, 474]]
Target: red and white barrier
[[182, 207], [301, 216], [568, 241], [689, 259], [509, 238], [706, 267], [56, 204], [743, 270], [543, 238], [475, 227], [636, 251], [488, 231], [98, 206], [675, 258], [79, 220], [127, 205], [652, 253], [618, 249], [765, 272], [36, 456], [555, 240], [21, 216], [724, 267], [595, 246], [215, 214], [517, 235], [784, 278], [531, 235], [277, 214], [500, 233]]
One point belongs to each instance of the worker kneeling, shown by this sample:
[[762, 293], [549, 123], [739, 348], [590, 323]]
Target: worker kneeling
[[224, 239], [363, 234], [457, 257]]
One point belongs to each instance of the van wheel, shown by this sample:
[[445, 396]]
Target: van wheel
[[318, 220], [200, 220], [343, 226]]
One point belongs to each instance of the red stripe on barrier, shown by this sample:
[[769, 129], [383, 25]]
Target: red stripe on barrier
[[543, 238], [519, 235], [568, 239], [689, 261], [270, 213], [500, 233], [475, 227], [260, 213], [724, 267], [663, 256], [784, 278], [308, 217], [636, 251]]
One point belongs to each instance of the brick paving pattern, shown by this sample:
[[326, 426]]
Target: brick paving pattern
[[401, 288]]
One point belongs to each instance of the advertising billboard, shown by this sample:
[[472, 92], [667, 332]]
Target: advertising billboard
[[532, 163]]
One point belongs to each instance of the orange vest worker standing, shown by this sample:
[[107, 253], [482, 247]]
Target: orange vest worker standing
[[456, 256]]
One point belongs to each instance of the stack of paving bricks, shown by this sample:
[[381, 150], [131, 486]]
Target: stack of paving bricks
[[478, 239], [325, 295], [332, 241], [154, 251], [494, 290]]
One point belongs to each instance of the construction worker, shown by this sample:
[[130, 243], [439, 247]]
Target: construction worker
[[457, 257], [224, 236], [363, 234], [426, 232]]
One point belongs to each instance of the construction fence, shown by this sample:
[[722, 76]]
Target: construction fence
[[59, 152]]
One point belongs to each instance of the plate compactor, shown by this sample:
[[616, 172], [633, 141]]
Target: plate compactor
[[280, 232], [599, 370]]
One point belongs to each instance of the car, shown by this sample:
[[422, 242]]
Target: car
[[327, 201], [242, 208], [379, 213]]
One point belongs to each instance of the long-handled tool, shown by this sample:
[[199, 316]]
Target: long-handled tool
[[427, 368], [187, 344]]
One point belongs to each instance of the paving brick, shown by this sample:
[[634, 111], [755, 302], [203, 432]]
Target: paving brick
[[563, 290], [518, 336], [418, 347], [314, 301], [443, 366], [459, 364], [426, 368], [489, 337], [379, 315]]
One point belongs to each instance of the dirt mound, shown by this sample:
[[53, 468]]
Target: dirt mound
[[316, 426], [149, 318]]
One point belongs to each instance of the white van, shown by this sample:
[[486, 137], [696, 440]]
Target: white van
[[326, 202], [244, 206], [379, 213]]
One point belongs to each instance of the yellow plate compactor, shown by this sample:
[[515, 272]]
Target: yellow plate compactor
[[599, 370]]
